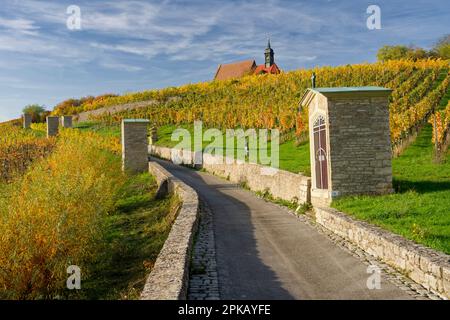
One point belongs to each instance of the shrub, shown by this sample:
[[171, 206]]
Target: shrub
[[18, 149], [38, 112], [50, 218]]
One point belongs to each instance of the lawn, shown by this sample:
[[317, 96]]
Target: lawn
[[292, 158], [100, 128], [420, 208]]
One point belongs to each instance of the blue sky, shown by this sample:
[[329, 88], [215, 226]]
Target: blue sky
[[128, 46]]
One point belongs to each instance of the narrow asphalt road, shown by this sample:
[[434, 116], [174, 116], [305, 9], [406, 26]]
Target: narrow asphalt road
[[265, 253]]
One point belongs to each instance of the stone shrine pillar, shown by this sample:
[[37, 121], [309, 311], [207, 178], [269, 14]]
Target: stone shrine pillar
[[350, 145], [153, 135]]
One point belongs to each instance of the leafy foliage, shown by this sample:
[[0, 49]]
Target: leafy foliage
[[271, 101], [74, 106], [19, 148], [51, 217], [38, 112]]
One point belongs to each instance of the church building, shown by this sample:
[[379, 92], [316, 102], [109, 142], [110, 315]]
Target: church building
[[248, 67]]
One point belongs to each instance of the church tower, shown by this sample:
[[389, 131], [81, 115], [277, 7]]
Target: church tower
[[270, 60]]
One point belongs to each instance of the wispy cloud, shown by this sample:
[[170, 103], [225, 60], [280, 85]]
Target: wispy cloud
[[23, 26], [130, 45]]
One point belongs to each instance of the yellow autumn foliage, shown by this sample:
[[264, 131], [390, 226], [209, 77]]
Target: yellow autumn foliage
[[271, 101], [50, 218], [19, 148]]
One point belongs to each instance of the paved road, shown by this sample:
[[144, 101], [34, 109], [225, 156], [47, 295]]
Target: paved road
[[265, 253]]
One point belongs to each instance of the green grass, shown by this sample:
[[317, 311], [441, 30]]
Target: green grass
[[100, 128], [133, 236], [292, 158], [295, 158], [420, 208]]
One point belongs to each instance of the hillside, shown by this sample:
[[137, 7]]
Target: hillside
[[271, 101]]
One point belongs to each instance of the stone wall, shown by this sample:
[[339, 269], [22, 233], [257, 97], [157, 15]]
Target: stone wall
[[360, 146], [423, 265], [88, 115], [170, 275], [279, 183]]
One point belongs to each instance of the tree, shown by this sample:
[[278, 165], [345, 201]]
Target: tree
[[392, 53], [417, 53], [37, 112], [440, 50], [442, 47]]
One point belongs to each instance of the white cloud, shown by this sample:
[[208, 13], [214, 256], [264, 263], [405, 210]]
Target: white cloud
[[119, 66], [23, 26]]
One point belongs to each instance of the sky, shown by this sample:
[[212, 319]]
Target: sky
[[127, 46]]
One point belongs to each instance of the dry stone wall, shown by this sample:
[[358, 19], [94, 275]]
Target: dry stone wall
[[427, 267], [88, 115], [423, 265], [279, 183], [170, 275]]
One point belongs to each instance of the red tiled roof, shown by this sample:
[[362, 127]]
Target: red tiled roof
[[273, 69], [235, 70]]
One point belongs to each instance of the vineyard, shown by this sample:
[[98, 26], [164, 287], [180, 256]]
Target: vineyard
[[271, 101], [442, 122], [19, 148]]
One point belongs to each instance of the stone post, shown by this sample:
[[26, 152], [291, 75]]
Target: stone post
[[153, 135], [52, 126], [27, 120], [350, 145], [66, 121], [135, 145]]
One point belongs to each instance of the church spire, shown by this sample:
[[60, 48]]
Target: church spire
[[269, 55]]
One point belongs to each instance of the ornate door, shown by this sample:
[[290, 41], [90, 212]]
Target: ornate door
[[320, 153]]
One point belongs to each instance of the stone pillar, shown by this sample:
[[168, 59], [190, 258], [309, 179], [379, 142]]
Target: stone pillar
[[135, 145], [52, 126], [66, 121], [27, 120], [350, 142], [153, 136]]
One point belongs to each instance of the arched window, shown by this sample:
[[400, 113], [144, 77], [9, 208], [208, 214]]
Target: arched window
[[320, 153]]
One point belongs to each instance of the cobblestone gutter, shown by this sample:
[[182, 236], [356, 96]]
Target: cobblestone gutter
[[170, 276], [425, 266]]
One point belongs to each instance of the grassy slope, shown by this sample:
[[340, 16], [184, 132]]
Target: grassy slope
[[419, 210], [133, 236], [292, 158]]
